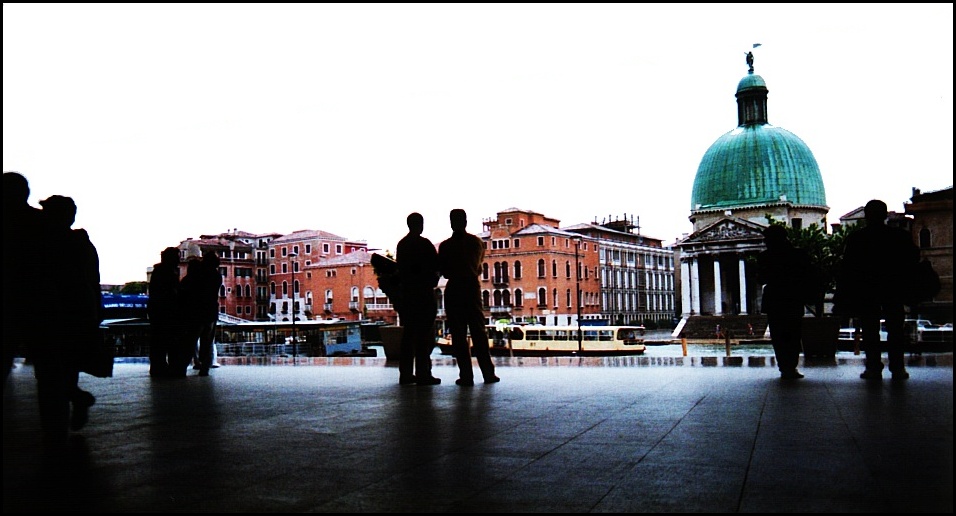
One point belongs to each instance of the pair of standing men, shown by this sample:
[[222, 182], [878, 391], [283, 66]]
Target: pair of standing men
[[182, 312], [459, 260]]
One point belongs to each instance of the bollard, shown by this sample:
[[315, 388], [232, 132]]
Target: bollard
[[727, 342], [683, 345], [856, 341]]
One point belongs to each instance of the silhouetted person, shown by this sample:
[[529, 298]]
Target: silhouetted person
[[200, 293], [165, 320], [459, 260], [782, 269], [72, 263], [876, 267], [418, 276], [22, 275]]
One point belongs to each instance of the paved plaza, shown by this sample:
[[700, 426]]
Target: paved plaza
[[637, 434]]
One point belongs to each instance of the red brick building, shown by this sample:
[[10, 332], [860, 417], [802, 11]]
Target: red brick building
[[293, 282], [536, 272]]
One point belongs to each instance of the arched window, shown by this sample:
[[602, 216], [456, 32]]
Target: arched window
[[569, 299], [497, 298], [517, 269], [485, 298], [272, 288], [354, 294], [506, 298], [542, 296], [541, 268], [554, 295], [328, 296], [484, 271], [567, 269], [519, 297], [285, 288], [369, 294], [295, 286], [554, 268], [498, 271], [248, 291]]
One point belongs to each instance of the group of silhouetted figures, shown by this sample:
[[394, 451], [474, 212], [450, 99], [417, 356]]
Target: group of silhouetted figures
[[47, 264], [876, 281], [420, 266], [183, 312]]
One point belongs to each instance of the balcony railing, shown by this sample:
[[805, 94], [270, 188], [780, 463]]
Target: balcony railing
[[327, 307], [371, 306], [501, 309], [353, 305]]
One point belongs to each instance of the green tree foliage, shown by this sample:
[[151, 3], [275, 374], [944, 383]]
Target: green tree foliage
[[134, 287]]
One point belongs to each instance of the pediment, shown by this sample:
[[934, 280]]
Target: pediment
[[726, 230]]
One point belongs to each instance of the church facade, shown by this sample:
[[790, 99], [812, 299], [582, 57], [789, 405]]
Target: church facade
[[753, 173]]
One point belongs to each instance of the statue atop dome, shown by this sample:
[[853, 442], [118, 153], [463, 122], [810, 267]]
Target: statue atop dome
[[750, 62]]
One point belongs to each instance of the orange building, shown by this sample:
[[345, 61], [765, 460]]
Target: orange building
[[537, 273]]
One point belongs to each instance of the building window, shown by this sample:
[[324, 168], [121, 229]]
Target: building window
[[338, 248], [540, 241], [285, 252], [569, 298], [325, 248], [519, 297], [554, 268], [308, 248], [542, 297], [484, 271], [567, 269], [924, 240], [517, 269], [295, 249], [517, 243], [272, 288], [541, 268], [285, 288]]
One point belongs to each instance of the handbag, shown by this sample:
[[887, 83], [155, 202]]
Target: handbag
[[97, 356]]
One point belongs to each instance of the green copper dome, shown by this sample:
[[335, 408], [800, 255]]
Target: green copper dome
[[756, 163]]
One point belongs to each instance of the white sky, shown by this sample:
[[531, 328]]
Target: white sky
[[169, 121]]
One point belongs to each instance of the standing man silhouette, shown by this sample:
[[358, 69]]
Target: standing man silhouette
[[459, 260], [417, 275], [24, 279], [781, 269], [165, 319], [877, 263]]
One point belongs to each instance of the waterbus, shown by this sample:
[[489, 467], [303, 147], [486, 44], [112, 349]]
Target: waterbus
[[235, 337], [537, 340], [321, 338]]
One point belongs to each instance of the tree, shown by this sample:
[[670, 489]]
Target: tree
[[134, 287]]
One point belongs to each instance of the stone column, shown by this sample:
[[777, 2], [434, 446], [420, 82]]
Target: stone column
[[742, 272], [695, 286], [685, 288], [718, 295]]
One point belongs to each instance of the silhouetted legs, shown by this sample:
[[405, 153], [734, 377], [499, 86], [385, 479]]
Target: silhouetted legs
[[894, 315], [785, 335]]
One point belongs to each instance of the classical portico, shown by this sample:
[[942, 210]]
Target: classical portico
[[717, 277]]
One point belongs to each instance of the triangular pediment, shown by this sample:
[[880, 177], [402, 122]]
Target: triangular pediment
[[726, 230]]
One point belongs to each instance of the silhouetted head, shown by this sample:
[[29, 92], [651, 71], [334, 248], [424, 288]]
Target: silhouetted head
[[458, 218], [775, 236], [211, 259], [16, 189], [170, 256], [875, 212], [416, 223], [59, 210]]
